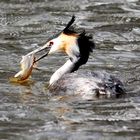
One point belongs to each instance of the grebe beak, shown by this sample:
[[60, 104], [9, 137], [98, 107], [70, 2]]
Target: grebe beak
[[50, 47], [45, 48]]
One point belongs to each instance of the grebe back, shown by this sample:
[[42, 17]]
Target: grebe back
[[89, 85]]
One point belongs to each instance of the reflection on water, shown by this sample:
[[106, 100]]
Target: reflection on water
[[29, 111]]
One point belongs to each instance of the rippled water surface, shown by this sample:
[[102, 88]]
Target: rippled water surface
[[29, 111]]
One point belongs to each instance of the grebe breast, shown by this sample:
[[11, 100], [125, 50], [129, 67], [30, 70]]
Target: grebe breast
[[88, 85]]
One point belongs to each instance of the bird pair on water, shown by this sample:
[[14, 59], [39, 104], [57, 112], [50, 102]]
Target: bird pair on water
[[78, 47]]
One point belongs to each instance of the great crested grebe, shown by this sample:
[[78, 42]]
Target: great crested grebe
[[78, 47]]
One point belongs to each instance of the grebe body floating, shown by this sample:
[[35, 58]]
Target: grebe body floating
[[89, 85], [78, 47]]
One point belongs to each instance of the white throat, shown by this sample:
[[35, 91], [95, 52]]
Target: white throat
[[66, 68]]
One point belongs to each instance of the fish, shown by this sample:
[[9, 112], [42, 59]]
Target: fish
[[26, 64]]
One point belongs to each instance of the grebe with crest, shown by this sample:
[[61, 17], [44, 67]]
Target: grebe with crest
[[67, 79]]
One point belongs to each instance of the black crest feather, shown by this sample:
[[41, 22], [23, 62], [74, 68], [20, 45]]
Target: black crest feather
[[67, 29], [86, 46]]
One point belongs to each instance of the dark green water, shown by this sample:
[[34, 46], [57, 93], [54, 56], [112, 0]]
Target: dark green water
[[28, 111]]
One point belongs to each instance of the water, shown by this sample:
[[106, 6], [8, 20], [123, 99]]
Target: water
[[29, 111]]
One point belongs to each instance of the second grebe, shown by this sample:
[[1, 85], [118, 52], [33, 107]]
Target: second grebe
[[78, 47]]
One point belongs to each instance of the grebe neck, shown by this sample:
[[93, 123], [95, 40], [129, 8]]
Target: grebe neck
[[68, 67]]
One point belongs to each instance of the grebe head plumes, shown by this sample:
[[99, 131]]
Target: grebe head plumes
[[78, 47]]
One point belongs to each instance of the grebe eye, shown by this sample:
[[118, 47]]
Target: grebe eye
[[51, 43]]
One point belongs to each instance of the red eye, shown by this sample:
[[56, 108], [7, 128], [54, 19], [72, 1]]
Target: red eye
[[51, 43]]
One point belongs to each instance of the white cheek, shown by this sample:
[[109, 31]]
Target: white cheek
[[74, 52], [56, 46]]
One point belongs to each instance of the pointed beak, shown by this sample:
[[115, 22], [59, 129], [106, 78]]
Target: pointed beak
[[45, 48]]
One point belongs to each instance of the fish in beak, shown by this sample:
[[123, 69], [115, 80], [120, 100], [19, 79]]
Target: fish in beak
[[27, 64]]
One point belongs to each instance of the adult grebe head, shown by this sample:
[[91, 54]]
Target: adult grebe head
[[76, 45]]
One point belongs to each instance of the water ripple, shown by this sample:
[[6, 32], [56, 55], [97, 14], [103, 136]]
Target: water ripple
[[29, 110]]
